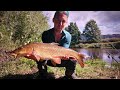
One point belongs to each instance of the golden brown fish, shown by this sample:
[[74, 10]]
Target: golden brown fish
[[47, 51]]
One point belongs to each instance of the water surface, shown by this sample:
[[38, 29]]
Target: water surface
[[108, 55]]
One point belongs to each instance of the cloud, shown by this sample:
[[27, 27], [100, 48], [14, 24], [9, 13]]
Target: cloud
[[107, 21], [110, 20], [50, 15]]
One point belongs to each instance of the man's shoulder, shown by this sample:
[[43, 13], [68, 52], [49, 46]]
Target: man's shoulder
[[67, 33], [48, 31]]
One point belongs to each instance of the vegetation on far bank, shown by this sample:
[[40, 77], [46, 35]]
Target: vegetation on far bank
[[114, 44]]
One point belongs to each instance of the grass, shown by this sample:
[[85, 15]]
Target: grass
[[94, 69]]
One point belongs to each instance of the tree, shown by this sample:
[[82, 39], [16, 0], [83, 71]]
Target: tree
[[92, 32], [74, 31], [21, 27]]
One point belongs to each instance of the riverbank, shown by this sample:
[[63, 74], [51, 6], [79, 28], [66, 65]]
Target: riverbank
[[111, 45], [24, 69]]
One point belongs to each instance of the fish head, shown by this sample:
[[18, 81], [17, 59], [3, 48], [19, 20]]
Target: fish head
[[14, 55], [17, 52]]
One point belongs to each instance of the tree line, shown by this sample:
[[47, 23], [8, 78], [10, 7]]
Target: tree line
[[90, 34]]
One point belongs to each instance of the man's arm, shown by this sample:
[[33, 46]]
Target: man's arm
[[44, 36]]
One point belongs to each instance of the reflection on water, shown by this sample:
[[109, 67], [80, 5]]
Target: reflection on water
[[108, 55]]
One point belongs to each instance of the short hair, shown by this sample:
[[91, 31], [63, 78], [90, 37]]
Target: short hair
[[58, 12]]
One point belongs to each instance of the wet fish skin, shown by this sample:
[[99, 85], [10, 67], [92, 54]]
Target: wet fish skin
[[47, 51]]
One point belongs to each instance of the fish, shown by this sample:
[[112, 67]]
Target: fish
[[47, 51]]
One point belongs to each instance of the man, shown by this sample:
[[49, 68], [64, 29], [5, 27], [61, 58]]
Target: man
[[58, 35]]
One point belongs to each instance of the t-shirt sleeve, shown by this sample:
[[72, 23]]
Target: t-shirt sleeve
[[68, 41], [44, 37]]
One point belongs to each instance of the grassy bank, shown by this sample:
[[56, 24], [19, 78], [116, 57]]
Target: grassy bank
[[23, 69]]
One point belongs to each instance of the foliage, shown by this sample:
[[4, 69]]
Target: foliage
[[74, 31], [92, 32], [21, 27]]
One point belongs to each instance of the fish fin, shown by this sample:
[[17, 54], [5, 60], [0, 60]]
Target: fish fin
[[53, 63], [56, 61], [80, 61], [53, 43], [35, 55]]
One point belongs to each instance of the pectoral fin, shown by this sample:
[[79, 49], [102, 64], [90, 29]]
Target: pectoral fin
[[56, 61], [53, 63], [37, 57]]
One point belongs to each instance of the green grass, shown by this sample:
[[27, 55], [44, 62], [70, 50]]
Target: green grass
[[94, 69]]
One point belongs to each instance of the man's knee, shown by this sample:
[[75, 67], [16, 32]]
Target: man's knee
[[41, 65], [71, 63]]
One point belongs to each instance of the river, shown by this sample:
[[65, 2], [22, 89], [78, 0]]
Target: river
[[108, 55]]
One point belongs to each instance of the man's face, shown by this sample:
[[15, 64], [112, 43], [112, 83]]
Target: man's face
[[60, 22]]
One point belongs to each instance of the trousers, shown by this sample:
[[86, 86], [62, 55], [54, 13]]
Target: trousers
[[69, 65]]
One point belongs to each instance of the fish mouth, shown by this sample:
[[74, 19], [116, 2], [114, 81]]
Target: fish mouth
[[12, 54]]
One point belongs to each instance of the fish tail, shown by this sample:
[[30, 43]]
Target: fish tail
[[80, 59]]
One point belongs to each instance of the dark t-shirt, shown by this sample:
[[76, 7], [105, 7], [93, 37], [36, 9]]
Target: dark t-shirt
[[48, 37]]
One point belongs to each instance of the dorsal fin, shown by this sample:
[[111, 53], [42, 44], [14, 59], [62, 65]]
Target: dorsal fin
[[56, 61], [53, 43]]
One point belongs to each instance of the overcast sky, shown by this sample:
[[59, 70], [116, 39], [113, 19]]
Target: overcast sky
[[107, 21]]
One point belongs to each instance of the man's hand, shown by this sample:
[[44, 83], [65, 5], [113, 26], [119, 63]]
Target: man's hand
[[68, 57], [65, 58]]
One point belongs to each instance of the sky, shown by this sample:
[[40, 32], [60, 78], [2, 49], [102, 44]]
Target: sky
[[107, 21]]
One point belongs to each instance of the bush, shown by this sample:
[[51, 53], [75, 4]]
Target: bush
[[21, 27]]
